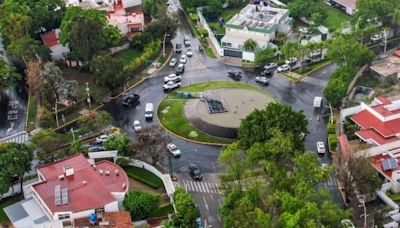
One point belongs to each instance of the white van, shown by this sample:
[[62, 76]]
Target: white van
[[149, 111], [317, 102]]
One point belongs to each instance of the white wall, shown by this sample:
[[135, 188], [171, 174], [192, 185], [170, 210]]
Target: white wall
[[120, 197], [249, 56], [214, 41], [58, 51], [111, 207]]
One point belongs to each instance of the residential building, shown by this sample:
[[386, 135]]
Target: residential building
[[388, 68], [51, 41], [70, 189], [379, 123], [257, 22], [348, 6]]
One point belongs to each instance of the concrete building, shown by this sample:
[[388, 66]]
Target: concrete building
[[70, 189], [348, 6], [387, 69], [50, 40], [257, 22]]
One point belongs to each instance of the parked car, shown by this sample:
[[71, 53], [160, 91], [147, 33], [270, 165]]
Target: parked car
[[266, 73], [171, 85], [235, 75], [173, 150], [180, 69], [178, 48], [173, 78], [96, 149], [321, 147], [284, 67], [137, 126], [291, 61], [376, 37], [194, 172], [262, 80], [149, 111], [186, 41], [102, 138], [183, 59], [306, 61], [130, 100], [316, 54], [189, 52], [271, 66], [173, 62]]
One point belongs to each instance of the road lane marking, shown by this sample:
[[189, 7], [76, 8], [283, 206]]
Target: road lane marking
[[205, 203], [206, 187], [185, 186]]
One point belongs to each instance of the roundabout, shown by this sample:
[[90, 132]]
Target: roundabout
[[210, 112]]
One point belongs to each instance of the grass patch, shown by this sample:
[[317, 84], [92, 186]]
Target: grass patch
[[291, 76], [32, 112], [162, 211], [170, 111], [368, 80], [128, 55], [210, 53], [5, 203], [334, 17], [144, 176], [313, 67]]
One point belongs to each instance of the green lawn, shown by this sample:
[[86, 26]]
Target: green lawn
[[144, 176], [335, 18], [5, 203], [128, 55], [210, 53], [227, 14], [162, 211], [313, 67], [170, 111], [32, 111]]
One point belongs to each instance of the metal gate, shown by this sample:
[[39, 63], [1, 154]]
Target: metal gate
[[233, 53]]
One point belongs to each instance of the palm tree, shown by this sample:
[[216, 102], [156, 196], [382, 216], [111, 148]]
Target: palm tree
[[396, 19], [250, 45]]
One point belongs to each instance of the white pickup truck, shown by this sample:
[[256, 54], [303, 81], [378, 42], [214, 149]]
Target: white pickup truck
[[171, 85]]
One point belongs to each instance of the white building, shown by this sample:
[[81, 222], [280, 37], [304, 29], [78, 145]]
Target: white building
[[70, 189], [50, 40], [348, 6], [257, 22]]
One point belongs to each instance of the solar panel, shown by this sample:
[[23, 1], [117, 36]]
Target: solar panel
[[64, 192], [389, 164], [57, 195]]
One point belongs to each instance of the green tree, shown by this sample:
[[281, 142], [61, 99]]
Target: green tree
[[46, 142], [153, 7], [186, 209], [250, 45], [16, 26], [95, 121], [375, 10], [51, 77], [337, 86], [265, 55], [75, 147], [214, 8], [16, 159], [290, 49], [109, 71], [24, 48], [302, 8], [8, 76], [120, 142], [259, 125], [141, 204]]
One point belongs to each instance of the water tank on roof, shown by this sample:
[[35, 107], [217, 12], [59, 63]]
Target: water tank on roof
[[93, 218]]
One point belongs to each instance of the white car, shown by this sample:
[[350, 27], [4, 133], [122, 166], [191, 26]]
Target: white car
[[172, 77], [173, 62], [102, 138], [262, 80], [173, 149], [291, 61], [189, 52], [316, 53], [183, 59], [284, 67], [137, 126], [321, 147], [171, 85], [270, 66], [376, 37]]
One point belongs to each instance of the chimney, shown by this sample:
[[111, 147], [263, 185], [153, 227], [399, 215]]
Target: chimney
[[101, 172], [61, 176], [116, 172], [124, 186], [84, 182], [94, 166], [107, 172], [68, 170]]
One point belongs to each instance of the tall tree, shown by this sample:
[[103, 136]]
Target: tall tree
[[108, 71], [120, 142], [265, 55], [153, 7], [96, 121], [187, 213], [46, 142], [16, 26], [8, 76], [24, 48], [141, 204], [250, 45], [290, 49]]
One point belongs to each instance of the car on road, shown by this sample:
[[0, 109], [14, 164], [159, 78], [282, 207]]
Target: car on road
[[284, 67], [173, 78], [149, 111], [266, 73], [376, 38], [102, 138], [189, 52], [96, 149], [195, 173], [270, 66], [321, 147], [171, 85], [178, 48], [262, 80], [235, 75], [180, 69], [291, 61], [183, 59], [173, 150], [137, 126], [173, 62], [186, 40], [130, 100]]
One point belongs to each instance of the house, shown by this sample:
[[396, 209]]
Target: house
[[348, 6], [70, 189], [387, 69], [50, 40], [257, 22], [379, 123], [127, 18]]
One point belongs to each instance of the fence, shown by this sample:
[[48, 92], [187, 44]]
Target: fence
[[211, 35], [120, 48]]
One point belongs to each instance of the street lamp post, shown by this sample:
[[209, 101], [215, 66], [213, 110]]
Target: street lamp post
[[88, 95]]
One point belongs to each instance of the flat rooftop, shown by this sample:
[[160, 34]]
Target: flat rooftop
[[387, 66], [259, 17]]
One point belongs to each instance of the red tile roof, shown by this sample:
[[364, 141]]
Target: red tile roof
[[397, 53], [377, 162], [50, 39], [367, 120], [383, 100], [87, 189], [116, 220], [347, 3], [370, 134]]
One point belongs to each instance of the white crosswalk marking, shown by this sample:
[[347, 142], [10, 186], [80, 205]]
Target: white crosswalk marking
[[20, 137], [314, 81], [197, 186], [330, 183]]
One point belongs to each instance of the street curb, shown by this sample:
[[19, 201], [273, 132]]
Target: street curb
[[305, 75], [27, 111], [289, 78]]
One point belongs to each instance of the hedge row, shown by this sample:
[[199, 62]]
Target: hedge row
[[150, 52]]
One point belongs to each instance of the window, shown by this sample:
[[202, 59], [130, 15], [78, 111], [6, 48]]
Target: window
[[226, 44], [64, 216], [99, 210]]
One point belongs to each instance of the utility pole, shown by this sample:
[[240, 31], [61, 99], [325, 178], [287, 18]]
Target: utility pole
[[385, 40], [56, 112], [88, 95]]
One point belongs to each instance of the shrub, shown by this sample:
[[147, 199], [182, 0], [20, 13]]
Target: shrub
[[141, 204], [332, 141], [123, 162], [331, 128], [46, 119], [186, 209]]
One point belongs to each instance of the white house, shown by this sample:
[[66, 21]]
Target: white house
[[349, 6], [50, 40]]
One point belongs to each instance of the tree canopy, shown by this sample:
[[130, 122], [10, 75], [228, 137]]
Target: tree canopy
[[120, 142], [186, 209], [141, 204], [46, 142], [265, 55], [8, 76], [250, 45], [108, 71]]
